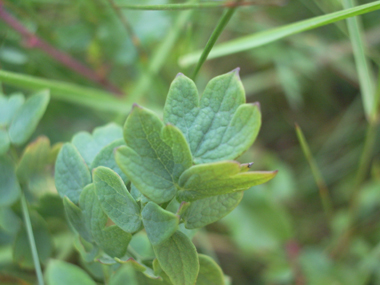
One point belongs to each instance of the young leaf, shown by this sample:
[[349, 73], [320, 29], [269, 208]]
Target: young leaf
[[35, 166], [178, 258], [113, 240], [27, 117], [155, 155], [209, 271], [220, 126], [76, 219], [206, 180], [115, 199], [62, 273], [106, 157], [71, 173], [159, 223], [4, 142], [9, 107], [9, 186], [211, 209], [89, 145]]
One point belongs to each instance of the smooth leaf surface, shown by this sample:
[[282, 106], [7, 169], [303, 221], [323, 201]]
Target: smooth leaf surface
[[22, 253], [76, 218], [62, 273], [106, 157], [209, 210], [219, 127], [209, 271], [9, 221], [4, 142], [158, 223], [155, 155], [178, 258], [87, 250], [115, 199], [9, 186], [35, 168], [113, 240], [206, 180], [9, 106], [89, 145], [27, 117], [71, 173]]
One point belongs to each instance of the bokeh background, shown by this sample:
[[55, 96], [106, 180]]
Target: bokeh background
[[281, 233]]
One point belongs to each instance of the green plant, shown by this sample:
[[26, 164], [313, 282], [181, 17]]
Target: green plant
[[169, 178]]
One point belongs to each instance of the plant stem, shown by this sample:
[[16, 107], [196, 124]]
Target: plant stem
[[32, 242], [106, 273], [213, 38], [32, 41], [203, 5], [134, 253]]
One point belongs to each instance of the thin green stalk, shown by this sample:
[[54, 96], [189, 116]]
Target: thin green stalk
[[366, 77], [213, 38], [106, 273], [32, 242], [203, 5], [323, 190], [134, 253]]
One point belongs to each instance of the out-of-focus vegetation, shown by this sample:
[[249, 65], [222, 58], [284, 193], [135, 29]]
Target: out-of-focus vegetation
[[317, 222]]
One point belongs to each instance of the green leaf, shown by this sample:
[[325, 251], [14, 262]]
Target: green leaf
[[147, 271], [113, 240], [9, 106], [268, 36], [106, 157], [124, 275], [137, 195], [179, 259], [87, 250], [9, 186], [71, 173], [155, 155], [4, 142], [206, 180], [115, 199], [9, 221], [159, 223], [89, 145], [220, 126], [209, 210], [22, 253], [35, 168], [27, 117], [76, 218], [209, 271], [62, 273]]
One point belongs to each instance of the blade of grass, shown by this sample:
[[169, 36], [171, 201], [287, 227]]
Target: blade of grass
[[92, 98], [323, 190], [223, 21], [365, 74], [265, 37], [203, 5], [32, 242]]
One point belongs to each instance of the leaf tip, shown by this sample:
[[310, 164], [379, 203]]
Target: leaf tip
[[236, 71], [179, 74], [257, 104]]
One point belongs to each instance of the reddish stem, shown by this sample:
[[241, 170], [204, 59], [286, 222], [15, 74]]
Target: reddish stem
[[32, 41]]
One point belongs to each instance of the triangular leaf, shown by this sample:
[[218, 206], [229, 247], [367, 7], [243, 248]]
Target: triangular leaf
[[159, 223], [106, 157], [155, 156], [211, 179], [115, 199], [178, 258], [113, 240], [9, 107], [89, 145], [9, 186], [209, 272], [62, 273], [71, 173], [27, 117], [220, 126], [209, 210]]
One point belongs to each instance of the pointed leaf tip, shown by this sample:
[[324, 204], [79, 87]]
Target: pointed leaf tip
[[179, 74], [236, 71]]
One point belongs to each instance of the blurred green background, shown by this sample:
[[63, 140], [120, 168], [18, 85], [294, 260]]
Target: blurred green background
[[280, 233]]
